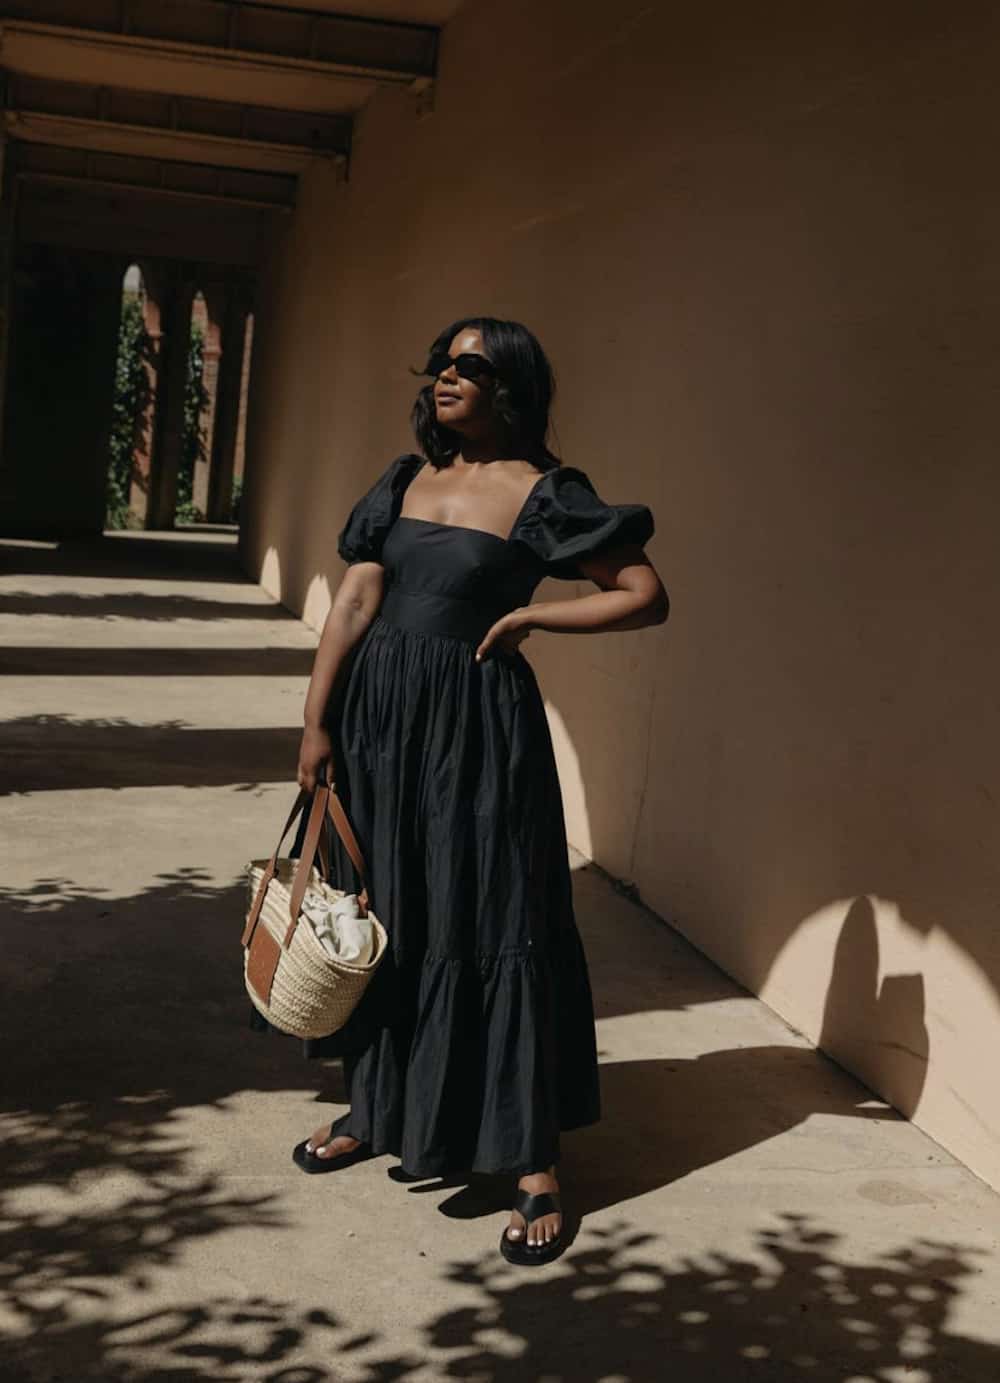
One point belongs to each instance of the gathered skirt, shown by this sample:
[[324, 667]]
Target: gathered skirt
[[474, 1045]]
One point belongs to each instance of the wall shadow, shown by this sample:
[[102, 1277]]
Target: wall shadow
[[862, 1018]]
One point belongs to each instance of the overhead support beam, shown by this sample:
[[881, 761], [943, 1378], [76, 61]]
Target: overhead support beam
[[350, 42], [184, 71], [189, 182], [177, 46], [139, 141], [152, 124]]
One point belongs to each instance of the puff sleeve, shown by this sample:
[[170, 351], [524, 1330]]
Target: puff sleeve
[[565, 520], [362, 536]]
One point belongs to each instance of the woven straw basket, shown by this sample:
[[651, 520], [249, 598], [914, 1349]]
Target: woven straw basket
[[290, 977]]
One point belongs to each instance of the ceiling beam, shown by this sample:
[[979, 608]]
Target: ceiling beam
[[313, 131], [144, 141], [195, 68], [191, 183], [353, 43], [113, 120], [83, 57]]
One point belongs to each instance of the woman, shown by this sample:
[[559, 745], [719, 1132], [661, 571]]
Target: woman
[[474, 1045]]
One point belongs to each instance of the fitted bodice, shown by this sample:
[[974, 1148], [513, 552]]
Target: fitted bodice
[[450, 579], [447, 579], [466, 563]]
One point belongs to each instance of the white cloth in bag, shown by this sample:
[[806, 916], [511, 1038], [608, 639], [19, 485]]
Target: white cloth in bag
[[340, 928]]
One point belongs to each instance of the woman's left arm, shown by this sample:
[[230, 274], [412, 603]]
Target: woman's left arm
[[631, 597]]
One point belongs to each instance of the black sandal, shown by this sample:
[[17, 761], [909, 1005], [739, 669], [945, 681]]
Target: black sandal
[[531, 1208], [309, 1162]]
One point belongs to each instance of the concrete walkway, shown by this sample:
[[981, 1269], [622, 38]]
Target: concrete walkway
[[748, 1211]]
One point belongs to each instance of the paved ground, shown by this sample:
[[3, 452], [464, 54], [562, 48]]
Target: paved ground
[[747, 1212]]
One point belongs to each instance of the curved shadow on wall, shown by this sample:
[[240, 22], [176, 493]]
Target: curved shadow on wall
[[862, 1018]]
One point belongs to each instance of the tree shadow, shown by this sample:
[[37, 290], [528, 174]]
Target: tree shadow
[[140, 1004], [798, 1305], [130, 1010], [791, 1309]]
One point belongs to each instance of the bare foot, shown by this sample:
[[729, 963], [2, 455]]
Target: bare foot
[[320, 1145], [546, 1227]]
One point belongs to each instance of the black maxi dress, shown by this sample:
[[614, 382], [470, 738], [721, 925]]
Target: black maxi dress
[[474, 1045]]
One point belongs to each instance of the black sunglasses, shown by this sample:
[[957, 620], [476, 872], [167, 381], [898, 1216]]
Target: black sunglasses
[[468, 365]]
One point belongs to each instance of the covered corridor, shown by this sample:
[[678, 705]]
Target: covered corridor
[[171, 135], [750, 1212], [758, 245]]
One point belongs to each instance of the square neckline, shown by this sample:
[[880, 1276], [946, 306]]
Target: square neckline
[[465, 527]]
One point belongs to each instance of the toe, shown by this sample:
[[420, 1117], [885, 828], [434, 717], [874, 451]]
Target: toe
[[318, 1138], [336, 1146], [548, 1230]]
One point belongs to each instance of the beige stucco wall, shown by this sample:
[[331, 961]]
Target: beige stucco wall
[[763, 256]]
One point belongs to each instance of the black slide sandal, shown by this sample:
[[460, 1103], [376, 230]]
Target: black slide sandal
[[532, 1208], [309, 1162]]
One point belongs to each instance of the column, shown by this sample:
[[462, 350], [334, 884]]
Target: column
[[170, 365], [8, 190], [227, 411], [154, 288], [215, 300]]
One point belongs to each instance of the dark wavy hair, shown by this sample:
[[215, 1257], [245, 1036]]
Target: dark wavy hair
[[522, 393]]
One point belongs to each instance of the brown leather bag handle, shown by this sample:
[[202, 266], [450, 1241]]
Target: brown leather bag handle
[[325, 800], [269, 870], [304, 867], [343, 828]]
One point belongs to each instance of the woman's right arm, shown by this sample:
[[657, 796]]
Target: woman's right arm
[[355, 605]]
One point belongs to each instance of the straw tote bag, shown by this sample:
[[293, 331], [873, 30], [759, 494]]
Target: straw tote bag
[[289, 975]]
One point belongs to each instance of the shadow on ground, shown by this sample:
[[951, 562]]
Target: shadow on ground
[[57, 753], [131, 1010], [138, 605], [614, 1310], [27, 661], [135, 555], [140, 1011], [126, 1013]]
